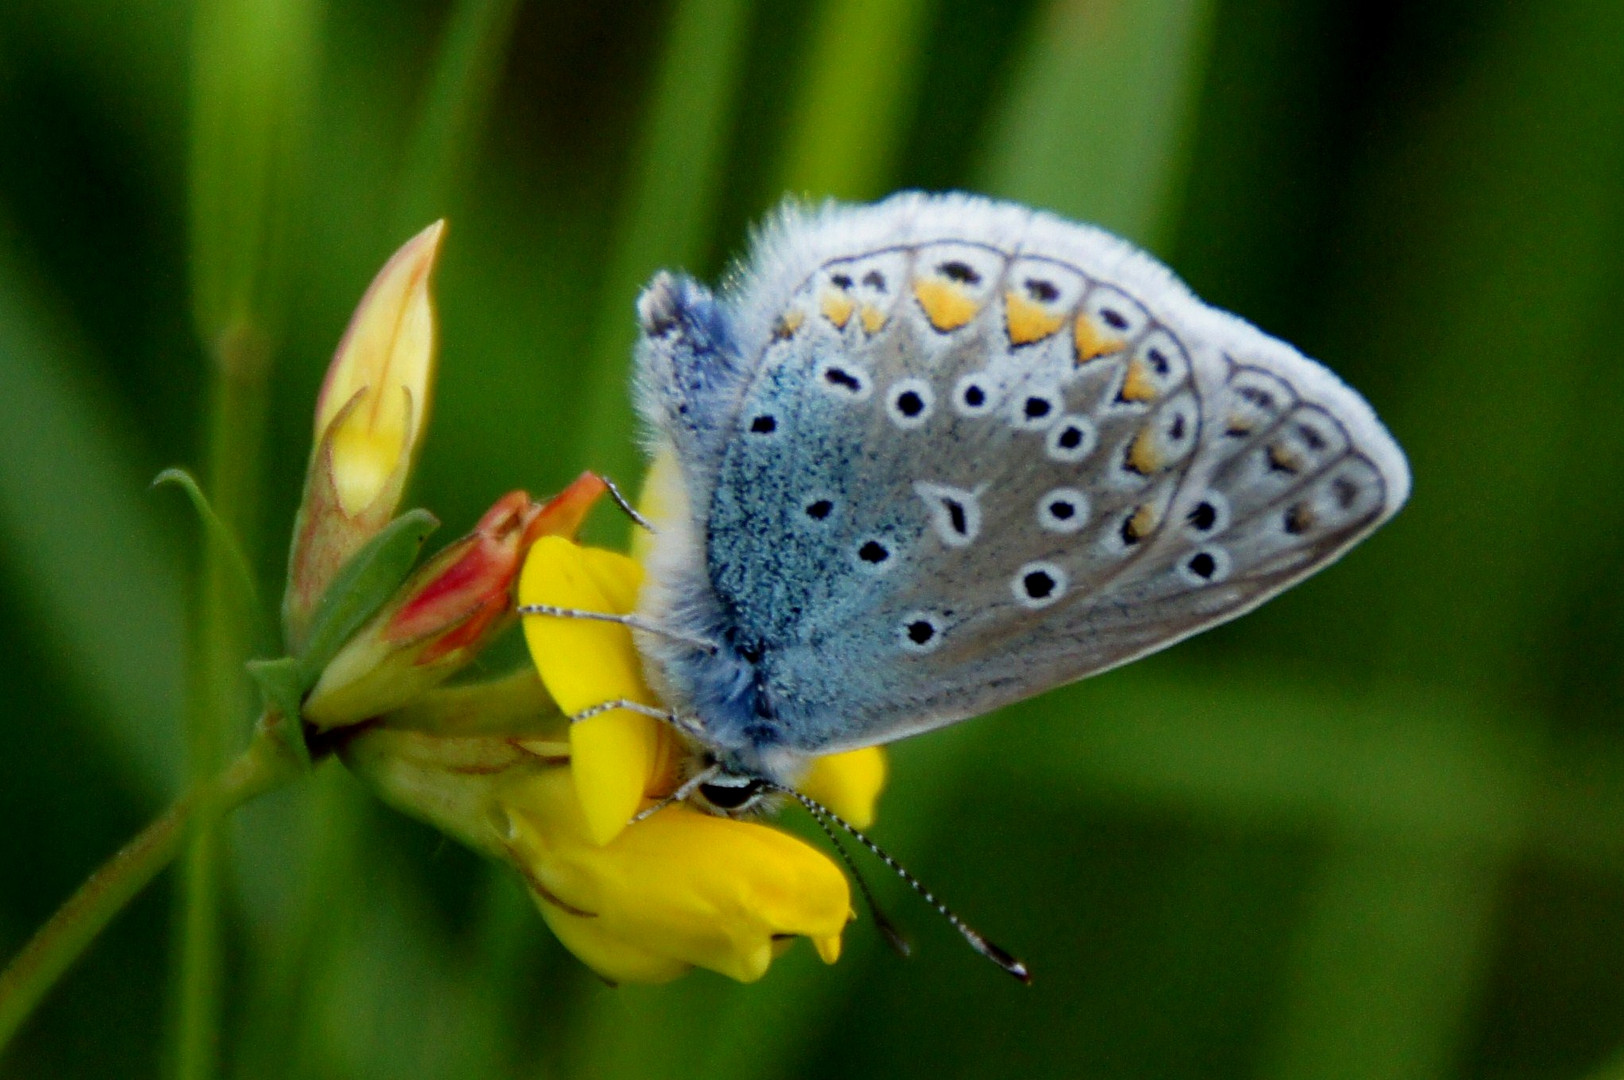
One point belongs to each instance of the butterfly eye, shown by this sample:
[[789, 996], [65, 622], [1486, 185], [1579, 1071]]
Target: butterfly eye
[[730, 797]]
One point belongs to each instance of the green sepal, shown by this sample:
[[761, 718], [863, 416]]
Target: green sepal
[[365, 583], [282, 685]]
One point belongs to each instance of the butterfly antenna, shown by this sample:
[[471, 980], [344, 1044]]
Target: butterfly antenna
[[980, 944], [888, 929]]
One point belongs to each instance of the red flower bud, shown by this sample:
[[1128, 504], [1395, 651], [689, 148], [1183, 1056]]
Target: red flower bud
[[446, 612]]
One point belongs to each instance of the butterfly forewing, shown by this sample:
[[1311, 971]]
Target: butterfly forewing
[[984, 452]]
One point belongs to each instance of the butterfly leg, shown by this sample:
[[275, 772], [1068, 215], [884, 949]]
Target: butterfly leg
[[689, 786], [683, 724], [626, 507], [630, 706], [635, 622]]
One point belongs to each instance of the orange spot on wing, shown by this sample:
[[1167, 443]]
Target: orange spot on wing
[[1028, 321], [837, 308], [872, 318], [788, 323], [1142, 524], [1092, 342], [1299, 519], [1136, 385], [1282, 459], [1144, 457], [945, 303]]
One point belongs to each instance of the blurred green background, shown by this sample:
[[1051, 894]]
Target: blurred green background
[[1374, 830]]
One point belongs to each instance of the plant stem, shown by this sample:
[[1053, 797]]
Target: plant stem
[[57, 944], [219, 689]]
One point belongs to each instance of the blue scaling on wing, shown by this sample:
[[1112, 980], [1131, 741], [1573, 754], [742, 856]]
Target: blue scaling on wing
[[690, 373], [812, 522]]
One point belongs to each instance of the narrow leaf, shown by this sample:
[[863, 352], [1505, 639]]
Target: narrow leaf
[[218, 533]]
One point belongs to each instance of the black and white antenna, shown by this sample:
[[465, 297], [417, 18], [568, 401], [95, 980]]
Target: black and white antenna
[[980, 944]]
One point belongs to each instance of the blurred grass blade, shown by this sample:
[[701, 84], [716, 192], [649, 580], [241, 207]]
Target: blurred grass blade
[[465, 77], [1478, 297], [1095, 125], [102, 584], [254, 67], [857, 95], [253, 84], [1512, 265], [669, 203], [1387, 965]]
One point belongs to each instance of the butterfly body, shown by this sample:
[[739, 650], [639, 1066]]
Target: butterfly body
[[939, 454]]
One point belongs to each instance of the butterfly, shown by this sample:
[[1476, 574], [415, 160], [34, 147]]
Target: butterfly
[[939, 454]]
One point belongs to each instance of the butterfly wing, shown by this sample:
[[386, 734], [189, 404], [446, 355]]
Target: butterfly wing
[[980, 452]]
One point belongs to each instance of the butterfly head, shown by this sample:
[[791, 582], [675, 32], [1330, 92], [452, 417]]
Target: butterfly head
[[731, 794]]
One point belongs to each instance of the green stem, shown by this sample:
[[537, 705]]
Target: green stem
[[57, 944], [219, 690]]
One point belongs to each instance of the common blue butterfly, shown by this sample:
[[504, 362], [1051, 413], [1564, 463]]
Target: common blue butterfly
[[939, 454]]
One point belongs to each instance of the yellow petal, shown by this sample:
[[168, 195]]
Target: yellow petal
[[385, 367], [587, 662], [849, 783], [615, 959], [828, 948], [682, 887]]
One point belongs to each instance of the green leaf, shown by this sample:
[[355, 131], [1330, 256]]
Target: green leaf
[[282, 684], [224, 540], [363, 586]]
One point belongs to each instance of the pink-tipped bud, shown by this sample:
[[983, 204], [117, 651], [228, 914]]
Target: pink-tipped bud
[[445, 613]]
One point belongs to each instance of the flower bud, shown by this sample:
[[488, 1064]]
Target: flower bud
[[370, 416], [445, 613]]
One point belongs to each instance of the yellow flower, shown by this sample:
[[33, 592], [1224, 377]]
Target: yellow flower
[[620, 758], [681, 887]]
